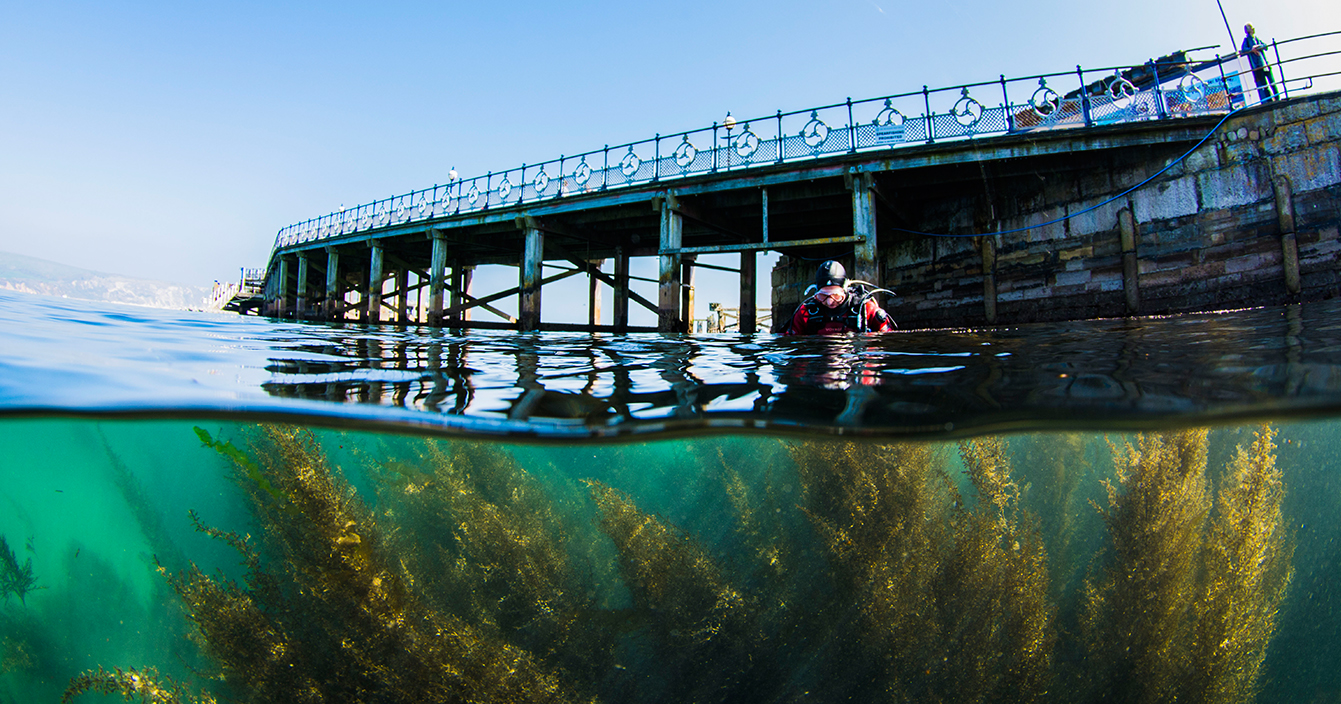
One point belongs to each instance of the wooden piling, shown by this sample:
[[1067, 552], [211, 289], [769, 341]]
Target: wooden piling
[[749, 312], [594, 295], [1130, 266], [300, 307], [533, 255], [866, 265], [372, 310], [334, 297], [668, 282], [1288, 245], [437, 278], [621, 312]]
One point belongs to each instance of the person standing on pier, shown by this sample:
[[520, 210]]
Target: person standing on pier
[[1255, 50], [838, 306]]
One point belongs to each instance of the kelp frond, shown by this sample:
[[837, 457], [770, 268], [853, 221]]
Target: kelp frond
[[145, 685], [15, 580]]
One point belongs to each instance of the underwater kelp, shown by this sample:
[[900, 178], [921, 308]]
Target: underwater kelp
[[1185, 603], [461, 575], [702, 628], [331, 614], [952, 601], [1248, 566], [15, 580], [145, 685]]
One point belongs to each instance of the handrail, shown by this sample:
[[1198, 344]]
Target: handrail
[[1109, 96]]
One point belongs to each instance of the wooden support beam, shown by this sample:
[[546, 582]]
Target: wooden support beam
[[1288, 244], [469, 299], [687, 289], [372, 310], [1130, 271], [987, 245], [462, 279], [479, 302], [763, 197], [594, 294], [622, 292], [866, 265], [301, 305], [748, 307], [668, 292], [334, 297], [403, 296], [437, 270], [282, 301], [533, 257]]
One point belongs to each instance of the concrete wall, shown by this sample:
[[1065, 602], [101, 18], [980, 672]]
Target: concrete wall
[[1217, 230]]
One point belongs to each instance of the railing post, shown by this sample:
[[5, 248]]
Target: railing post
[[656, 164], [1229, 99], [926, 103], [780, 142], [851, 128], [605, 171], [1160, 109], [714, 146], [521, 187], [1283, 90], [488, 187], [1005, 97], [1084, 97]]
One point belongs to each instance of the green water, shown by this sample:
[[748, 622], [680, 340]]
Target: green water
[[701, 569]]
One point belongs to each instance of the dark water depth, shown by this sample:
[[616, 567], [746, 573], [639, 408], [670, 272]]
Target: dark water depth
[[207, 508]]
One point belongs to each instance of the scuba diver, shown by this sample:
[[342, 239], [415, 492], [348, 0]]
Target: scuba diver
[[839, 306]]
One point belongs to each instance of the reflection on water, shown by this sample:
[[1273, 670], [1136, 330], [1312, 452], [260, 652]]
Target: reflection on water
[[76, 356], [1096, 372], [1041, 567]]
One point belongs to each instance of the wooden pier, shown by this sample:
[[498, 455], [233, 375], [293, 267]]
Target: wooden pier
[[1028, 221]]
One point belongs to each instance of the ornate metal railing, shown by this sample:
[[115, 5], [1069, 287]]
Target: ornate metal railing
[[1173, 86]]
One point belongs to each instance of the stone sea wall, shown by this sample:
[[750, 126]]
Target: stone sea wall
[[1251, 217]]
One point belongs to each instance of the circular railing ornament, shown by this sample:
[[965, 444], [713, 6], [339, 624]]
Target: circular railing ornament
[[629, 164], [1121, 91], [540, 182], [473, 195], [366, 219], [967, 110], [444, 204], [815, 132], [582, 173], [348, 223], [685, 154], [890, 117], [401, 212], [423, 207], [1045, 100], [383, 215], [1193, 88], [504, 188], [746, 143]]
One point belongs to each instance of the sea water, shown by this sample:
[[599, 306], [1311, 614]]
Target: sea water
[[220, 508]]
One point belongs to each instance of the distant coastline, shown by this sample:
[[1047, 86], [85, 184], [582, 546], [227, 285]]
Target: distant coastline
[[26, 274]]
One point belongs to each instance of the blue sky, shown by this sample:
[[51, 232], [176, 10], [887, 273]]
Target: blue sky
[[172, 140]]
